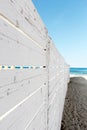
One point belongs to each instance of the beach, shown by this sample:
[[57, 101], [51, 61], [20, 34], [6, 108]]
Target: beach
[[75, 108]]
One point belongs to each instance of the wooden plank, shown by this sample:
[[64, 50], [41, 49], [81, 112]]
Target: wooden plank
[[53, 73], [37, 122], [14, 50], [52, 83], [26, 101], [19, 118], [8, 77], [14, 93], [54, 111], [22, 15], [55, 85], [30, 9], [57, 88]]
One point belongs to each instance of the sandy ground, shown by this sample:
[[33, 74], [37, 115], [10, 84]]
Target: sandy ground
[[75, 109]]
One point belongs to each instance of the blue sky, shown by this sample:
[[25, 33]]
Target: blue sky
[[66, 21]]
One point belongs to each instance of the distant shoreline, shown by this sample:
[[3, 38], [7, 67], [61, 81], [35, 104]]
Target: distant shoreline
[[78, 75]]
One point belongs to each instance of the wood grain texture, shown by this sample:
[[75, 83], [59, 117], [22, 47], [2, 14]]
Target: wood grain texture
[[58, 78], [30, 99], [23, 15]]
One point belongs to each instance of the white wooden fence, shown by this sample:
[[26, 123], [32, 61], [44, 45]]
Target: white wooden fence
[[33, 75]]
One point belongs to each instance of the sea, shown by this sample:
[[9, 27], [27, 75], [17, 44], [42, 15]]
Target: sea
[[78, 71]]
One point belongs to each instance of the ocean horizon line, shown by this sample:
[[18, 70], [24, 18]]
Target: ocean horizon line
[[78, 70]]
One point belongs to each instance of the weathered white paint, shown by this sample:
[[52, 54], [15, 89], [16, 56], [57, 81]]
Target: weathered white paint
[[30, 99]]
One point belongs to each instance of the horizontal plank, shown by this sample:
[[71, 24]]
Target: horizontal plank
[[54, 116], [23, 15], [13, 94], [16, 53], [24, 95], [54, 112], [53, 84], [54, 73], [19, 118], [38, 122], [53, 94], [8, 77]]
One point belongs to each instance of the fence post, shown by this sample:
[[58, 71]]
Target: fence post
[[47, 65]]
